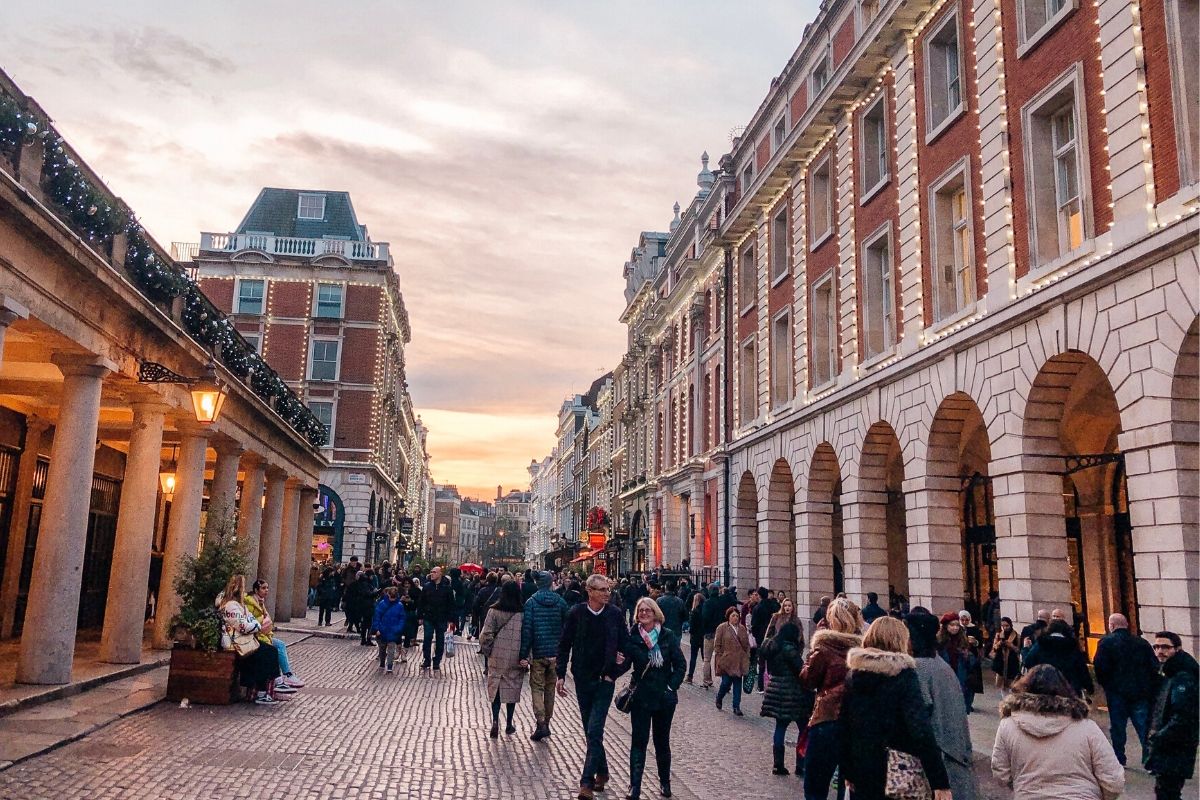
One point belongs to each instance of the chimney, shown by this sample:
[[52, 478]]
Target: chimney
[[499, 492]]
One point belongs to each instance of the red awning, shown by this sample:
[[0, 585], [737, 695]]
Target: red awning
[[584, 556]]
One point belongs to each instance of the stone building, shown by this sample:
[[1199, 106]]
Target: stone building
[[963, 283], [443, 544], [511, 529], [108, 474], [321, 301], [542, 508]]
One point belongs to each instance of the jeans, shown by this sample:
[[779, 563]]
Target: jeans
[[1122, 711], [285, 666], [780, 736], [736, 682], [642, 722], [595, 696], [387, 652], [434, 630], [821, 760], [697, 649], [312, 596], [541, 685]]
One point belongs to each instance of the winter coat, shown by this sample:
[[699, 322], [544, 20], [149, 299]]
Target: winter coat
[[389, 619], [948, 714], [713, 614], [731, 650], [872, 612], [460, 594], [314, 577], [437, 601], [785, 699], [655, 688], [329, 592], [964, 663], [1062, 652], [484, 598], [542, 625], [1126, 665], [256, 609], [760, 617], [696, 624], [825, 672], [1047, 747], [360, 599], [1006, 655], [502, 632], [591, 642], [883, 709], [1173, 725], [672, 608]]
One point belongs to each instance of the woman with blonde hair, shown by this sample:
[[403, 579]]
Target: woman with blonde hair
[[257, 670], [785, 614], [883, 714], [825, 673]]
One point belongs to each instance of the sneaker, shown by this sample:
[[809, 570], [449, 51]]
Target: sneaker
[[292, 680], [388, 671], [283, 688], [265, 699]]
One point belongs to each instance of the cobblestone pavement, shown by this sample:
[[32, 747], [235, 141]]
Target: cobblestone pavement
[[356, 733]]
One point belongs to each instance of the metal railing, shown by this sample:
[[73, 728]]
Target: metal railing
[[351, 250]]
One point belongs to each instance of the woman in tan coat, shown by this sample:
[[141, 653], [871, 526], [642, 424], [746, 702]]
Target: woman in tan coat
[[731, 657], [500, 641]]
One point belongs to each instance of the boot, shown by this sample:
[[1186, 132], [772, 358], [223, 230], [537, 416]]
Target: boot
[[777, 755], [799, 765], [541, 732], [637, 765]]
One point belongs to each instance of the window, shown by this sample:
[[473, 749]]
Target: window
[[748, 383], [254, 340], [1054, 162], [1183, 31], [323, 411], [747, 178], [780, 234], [823, 331], [781, 359], [943, 76], [878, 302], [747, 277], [1036, 18], [820, 202], [250, 294], [870, 10], [953, 246], [820, 73], [329, 300], [874, 148], [779, 133], [324, 365], [311, 206]]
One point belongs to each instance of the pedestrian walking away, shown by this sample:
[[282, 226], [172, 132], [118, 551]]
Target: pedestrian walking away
[[1174, 725], [388, 624], [825, 673], [500, 639], [593, 644], [541, 631], [785, 699], [1058, 647], [1127, 669]]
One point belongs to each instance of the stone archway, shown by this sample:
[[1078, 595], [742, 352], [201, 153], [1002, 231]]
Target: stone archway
[[743, 562], [876, 520], [820, 544], [777, 548]]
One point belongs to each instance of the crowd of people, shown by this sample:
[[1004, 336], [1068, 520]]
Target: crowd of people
[[878, 696]]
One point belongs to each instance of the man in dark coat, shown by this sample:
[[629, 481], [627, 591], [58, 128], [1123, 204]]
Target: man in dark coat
[[541, 631], [872, 610], [1175, 724], [1127, 669], [673, 611], [1058, 648], [437, 610]]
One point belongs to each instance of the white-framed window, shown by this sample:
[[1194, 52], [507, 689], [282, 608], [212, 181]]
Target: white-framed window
[[311, 206], [323, 361], [952, 243], [780, 236], [748, 177], [873, 136], [747, 382], [878, 300], [1183, 31], [329, 300], [1056, 169], [747, 276], [781, 359], [943, 75], [820, 201], [821, 72], [323, 410], [251, 295], [822, 330], [1036, 18], [779, 133], [254, 340]]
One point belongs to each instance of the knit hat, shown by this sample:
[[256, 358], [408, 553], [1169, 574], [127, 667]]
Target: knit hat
[[949, 617], [922, 632]]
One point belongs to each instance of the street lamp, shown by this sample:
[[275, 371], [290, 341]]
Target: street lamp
[[207, 395]]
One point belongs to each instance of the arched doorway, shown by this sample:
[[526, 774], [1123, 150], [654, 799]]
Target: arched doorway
[[328, 525], [777, 556], [825, 513], [881, 519], [744, 560]]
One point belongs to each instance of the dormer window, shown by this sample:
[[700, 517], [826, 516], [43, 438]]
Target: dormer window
[[311, 206]]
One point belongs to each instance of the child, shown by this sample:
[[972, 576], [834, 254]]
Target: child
[[388, 625]]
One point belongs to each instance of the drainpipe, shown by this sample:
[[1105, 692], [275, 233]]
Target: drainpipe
[[725, 380]]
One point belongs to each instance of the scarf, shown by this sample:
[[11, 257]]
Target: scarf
[[651, 639]]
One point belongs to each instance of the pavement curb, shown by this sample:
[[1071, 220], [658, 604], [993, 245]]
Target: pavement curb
[[78, 687]]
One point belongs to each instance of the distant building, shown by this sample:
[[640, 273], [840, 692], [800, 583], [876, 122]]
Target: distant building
[[444, 547]]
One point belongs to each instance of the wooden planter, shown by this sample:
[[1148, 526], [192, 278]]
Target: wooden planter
[[202, 677]]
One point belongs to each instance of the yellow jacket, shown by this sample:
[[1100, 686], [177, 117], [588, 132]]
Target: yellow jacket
[[254, 606]]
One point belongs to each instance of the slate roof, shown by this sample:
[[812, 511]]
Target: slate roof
[[275, 211]]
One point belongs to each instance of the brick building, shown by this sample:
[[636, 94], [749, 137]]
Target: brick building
[[321, 302], [443, 546]]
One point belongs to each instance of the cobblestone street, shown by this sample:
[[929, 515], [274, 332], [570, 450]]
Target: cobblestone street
[[356, 733]]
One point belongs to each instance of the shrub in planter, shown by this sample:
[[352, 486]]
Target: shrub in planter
[[201, 578]]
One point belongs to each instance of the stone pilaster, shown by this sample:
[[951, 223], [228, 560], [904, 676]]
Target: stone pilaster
[[183, 530]]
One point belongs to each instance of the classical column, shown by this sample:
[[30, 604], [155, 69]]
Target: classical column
[[121, 640], [934, 515], [48, 640], [287, 554], [303, 550], [222, 493], [272, 523], [250, 511], [183, 531], [864, 527], [35, 432]]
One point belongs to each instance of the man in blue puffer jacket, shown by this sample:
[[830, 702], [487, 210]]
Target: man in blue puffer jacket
[[388, 625], [541, 629]]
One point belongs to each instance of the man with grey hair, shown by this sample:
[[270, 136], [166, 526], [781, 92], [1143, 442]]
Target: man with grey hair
[[593, 641], [1126, 667]]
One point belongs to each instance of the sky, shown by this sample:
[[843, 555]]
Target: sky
[[510, 153]]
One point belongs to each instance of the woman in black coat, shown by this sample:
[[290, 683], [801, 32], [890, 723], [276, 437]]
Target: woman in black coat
[[657, 666], [883, 710], [1058, 647], [696, 632], [785, 700]]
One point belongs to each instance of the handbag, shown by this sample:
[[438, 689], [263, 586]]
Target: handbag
[[486, 650], [244, 644], [450, 646], [624, 699], [905, 777]]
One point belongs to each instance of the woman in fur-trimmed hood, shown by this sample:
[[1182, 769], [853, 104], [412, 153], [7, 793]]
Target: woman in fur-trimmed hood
[[882, 710], [1047, 747]]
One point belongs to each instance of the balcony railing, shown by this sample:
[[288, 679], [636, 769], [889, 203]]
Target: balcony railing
[[293, 246]]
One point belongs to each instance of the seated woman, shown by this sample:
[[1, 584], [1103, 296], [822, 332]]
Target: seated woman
[[256, 604], [257, 670]]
